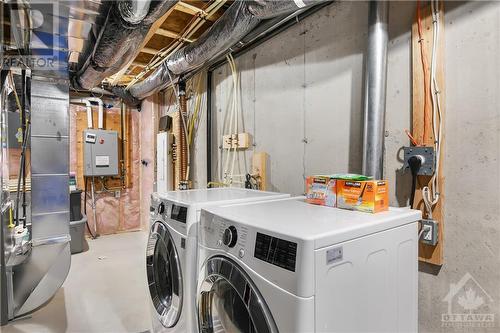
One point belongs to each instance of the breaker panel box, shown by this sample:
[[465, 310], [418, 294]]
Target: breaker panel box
[[100, 153]]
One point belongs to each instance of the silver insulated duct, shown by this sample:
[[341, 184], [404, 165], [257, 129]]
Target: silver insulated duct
[[127, 24], [241, 18]]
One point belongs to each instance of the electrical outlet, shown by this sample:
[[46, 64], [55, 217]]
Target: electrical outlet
[[118, 194], [428, 160], [430, 232]]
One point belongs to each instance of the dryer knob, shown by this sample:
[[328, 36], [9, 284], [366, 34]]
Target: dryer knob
[[230, 236], [161, 208]]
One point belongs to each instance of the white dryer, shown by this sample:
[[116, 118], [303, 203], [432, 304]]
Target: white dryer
[[171, 255], [291, 267]]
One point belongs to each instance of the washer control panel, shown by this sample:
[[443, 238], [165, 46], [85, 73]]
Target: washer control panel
[[230, 236]]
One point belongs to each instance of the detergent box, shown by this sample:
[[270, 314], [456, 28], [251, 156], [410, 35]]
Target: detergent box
[[321, 190], [370, 196]]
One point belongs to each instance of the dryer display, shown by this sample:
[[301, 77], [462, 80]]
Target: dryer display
[[179, 213], [276, 251]]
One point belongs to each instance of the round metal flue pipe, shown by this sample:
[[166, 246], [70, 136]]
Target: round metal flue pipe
[[375, 89]]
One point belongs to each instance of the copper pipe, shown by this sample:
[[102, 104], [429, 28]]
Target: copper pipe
[[183, 158]]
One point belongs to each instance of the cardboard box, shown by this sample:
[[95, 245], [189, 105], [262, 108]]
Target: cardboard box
[[321, 190], [370, 196]]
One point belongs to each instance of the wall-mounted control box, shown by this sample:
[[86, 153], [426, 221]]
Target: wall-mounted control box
[[100, 153]]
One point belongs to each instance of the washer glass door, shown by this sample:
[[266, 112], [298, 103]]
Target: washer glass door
[[164, 275], [228, 301]]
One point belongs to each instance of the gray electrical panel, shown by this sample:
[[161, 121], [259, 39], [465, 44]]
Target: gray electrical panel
[[100, 153]]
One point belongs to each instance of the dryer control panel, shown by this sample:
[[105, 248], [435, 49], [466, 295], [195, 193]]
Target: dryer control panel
[[273, 250]]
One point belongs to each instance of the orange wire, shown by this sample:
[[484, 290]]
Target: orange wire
[[412, 139], [425, 68]]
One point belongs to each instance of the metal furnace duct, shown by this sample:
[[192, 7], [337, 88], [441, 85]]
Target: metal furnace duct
[[375, 89]]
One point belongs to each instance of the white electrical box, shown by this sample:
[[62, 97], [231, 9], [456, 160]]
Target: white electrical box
[[163, 162], [100, 153]]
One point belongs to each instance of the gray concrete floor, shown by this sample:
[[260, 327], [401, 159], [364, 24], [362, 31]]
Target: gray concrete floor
[[105, 291]]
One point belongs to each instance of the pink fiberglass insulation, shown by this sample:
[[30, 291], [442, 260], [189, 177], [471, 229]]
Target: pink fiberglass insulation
[[149, 109], [113, 214]]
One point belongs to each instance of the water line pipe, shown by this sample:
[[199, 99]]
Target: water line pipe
[[100, 115], [88, 107], [209, 126]]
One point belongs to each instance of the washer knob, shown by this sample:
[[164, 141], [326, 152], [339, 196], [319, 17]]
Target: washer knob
[[230, 236], [161, 208]]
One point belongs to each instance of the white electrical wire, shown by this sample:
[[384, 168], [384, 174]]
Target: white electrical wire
[[230, 110], [431, 195], [234, 109]]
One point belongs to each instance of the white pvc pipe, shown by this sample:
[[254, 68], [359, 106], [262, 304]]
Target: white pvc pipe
[[89, 110], [100, 117]]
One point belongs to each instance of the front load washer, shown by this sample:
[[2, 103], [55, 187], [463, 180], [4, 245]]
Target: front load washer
[[171, 260], [291, 267]]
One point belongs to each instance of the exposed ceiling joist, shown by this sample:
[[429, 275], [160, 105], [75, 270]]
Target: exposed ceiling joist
[[171, 34], [117, 77], [192, 10], [149, 50]]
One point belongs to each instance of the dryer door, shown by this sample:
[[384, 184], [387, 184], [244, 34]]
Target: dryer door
[[164, 275], [228, 300]]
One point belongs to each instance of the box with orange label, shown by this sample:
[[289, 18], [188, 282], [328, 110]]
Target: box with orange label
[[370, 196], [321, 190]]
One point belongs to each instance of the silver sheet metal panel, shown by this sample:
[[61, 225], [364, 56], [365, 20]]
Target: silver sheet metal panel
[[100, 153], [36, 280], [52, 119], [50, 154]]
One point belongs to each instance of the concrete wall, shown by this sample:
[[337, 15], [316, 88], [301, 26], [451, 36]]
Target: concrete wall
[[302, 96]]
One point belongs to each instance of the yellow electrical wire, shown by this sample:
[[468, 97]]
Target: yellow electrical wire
[[11, 219], [196, 111]]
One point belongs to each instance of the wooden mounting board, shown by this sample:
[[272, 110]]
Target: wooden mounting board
[[259, 167], [428, 254]]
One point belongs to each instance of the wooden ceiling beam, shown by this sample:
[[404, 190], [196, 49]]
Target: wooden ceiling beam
[[192, 10], [172, 34], [138, 63], [149, 50], [150, 35]]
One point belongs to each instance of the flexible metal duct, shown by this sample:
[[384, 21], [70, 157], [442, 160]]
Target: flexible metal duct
[[126, 25], [232, 26]]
